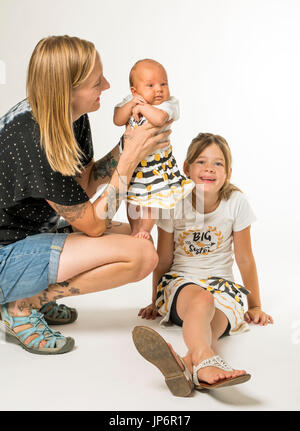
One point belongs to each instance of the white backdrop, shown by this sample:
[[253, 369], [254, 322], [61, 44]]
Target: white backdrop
[[234, 66]]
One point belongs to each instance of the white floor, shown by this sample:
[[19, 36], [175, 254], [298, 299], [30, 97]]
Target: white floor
[[105, 372]]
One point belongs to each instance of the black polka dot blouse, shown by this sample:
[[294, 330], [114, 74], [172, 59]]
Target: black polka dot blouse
[[27, 180]]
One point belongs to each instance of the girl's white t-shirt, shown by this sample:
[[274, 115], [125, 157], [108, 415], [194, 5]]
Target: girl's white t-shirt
[[203, 242]]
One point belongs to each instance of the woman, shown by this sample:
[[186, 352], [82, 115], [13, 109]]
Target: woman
[[47, 172]]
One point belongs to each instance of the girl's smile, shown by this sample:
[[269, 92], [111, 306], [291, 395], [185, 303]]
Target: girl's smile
[[208, 169]]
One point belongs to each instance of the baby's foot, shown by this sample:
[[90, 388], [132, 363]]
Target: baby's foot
[[142, 234]]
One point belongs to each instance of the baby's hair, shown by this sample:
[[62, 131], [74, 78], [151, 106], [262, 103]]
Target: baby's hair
[[138, 63], [202, 141]]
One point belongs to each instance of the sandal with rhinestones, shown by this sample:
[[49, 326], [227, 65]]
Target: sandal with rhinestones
[[58, 314], [56, 343], [218, 362], [154, 349]]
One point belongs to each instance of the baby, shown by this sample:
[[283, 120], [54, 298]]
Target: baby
[[156, 182]]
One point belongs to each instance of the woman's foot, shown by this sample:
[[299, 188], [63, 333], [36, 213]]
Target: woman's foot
[[23, 309]]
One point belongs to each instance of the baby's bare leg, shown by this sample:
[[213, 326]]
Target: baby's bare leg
[[142, 221]]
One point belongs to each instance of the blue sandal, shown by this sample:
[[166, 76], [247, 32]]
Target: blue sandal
[[58, 314], [56, 343]]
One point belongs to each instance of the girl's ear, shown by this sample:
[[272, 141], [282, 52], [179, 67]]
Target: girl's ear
[[186, 169]]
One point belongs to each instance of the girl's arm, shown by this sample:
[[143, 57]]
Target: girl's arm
[[154, 115], [246, 264], [165, 251]]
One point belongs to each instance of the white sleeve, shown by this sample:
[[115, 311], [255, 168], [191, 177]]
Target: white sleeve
[[166, 223], [243, 213], [171, 107], [125, 100]]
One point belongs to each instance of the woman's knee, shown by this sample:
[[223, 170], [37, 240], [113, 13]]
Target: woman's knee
[[145, 259]]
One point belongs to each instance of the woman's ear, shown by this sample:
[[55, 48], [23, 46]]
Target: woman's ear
[[186, 169]]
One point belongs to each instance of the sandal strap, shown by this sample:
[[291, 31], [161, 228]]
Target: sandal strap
[[214, 361], [38, 326], [53, 310]]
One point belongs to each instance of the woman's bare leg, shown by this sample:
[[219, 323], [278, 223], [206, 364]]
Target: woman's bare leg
[[202, 326], [90, 265]]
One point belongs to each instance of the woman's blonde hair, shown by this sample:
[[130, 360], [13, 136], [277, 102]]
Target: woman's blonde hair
[[58, 64], [202, 141]]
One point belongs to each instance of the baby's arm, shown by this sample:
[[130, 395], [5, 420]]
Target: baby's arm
[[123, 113], [165, 251], [247, 266], [154, 115]]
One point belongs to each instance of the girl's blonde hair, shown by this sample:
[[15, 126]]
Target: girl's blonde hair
[[202, 141], [58, 64]]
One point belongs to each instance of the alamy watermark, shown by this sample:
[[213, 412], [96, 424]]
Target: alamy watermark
[[179, 208]]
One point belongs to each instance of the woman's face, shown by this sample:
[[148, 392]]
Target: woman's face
[[86, 97]]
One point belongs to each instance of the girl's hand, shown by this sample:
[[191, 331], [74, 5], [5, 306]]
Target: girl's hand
[[149, 312], [257, 316]]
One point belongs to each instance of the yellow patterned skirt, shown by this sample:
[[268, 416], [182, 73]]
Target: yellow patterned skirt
[[228, 297], [157, 182]]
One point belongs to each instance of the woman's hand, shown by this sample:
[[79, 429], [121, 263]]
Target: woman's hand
[[257, 316], [149, 312], [144, 140]]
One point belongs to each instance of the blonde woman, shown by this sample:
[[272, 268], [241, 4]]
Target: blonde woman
[[193, 284], [47, 172]]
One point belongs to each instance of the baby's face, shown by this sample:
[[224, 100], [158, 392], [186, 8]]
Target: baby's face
[[151, 82]]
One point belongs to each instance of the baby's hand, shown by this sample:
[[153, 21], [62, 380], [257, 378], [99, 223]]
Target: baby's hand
[[138, 100], [136, 112], [149, 312], [257, 316]]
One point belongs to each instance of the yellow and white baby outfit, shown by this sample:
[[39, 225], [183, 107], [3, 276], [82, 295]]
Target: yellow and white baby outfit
[[157, 181]]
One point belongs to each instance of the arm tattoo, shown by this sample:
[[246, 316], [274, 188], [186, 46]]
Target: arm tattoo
[[113, 202], [104, 167], [73, 212]]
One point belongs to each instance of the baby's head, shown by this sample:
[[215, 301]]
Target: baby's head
[[208, 162], [149, 79]]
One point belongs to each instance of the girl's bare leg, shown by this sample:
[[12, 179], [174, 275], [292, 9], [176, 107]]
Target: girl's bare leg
[[202, 326], [90, 265]]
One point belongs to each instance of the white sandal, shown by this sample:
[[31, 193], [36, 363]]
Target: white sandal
[[218, 362]]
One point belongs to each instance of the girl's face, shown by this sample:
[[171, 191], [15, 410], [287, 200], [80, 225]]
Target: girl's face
[[86, 97], [208, 169]]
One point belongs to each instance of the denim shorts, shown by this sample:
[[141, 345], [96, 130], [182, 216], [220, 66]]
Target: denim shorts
[[28, 266]]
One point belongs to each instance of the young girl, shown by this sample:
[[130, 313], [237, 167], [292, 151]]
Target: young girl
[[156, 182], [193, 284]]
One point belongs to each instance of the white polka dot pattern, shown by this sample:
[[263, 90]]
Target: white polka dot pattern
[[26, 178]]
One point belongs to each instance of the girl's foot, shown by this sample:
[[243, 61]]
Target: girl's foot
[[210, 374]]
